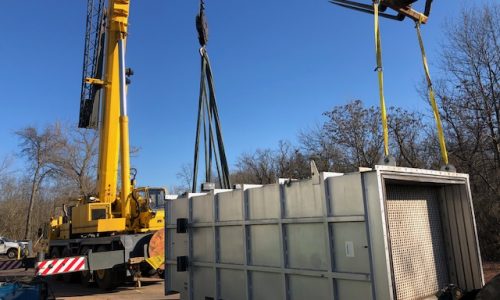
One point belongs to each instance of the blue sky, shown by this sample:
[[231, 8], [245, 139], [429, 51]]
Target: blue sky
[[278, 65]]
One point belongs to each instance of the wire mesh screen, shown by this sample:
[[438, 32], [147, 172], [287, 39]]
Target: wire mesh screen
[[416, 239]]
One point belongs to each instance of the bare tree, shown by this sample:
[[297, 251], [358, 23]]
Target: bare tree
[[407, 131], [76, 161], [356, 130], [470, 100], [257, 167], [39, 148], [13, 203], [317, 146], [351, 137], [185, 175], [291, 162], [5, 164], [265, 166]]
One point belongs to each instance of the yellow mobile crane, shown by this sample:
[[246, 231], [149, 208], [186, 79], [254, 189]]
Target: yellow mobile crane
[[118, 233]]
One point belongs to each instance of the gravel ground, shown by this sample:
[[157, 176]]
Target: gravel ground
[[152, 288]]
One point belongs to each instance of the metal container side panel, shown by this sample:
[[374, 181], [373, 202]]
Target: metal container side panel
[[229, 205], [349, 289], [175, 245], [266, 286], [176, 209], [350, 247], [264, 245], [307, 287], [461, 237], [231, 245], [471, 225], [232, 284], [264, 202], [203, 283], [379, 248], [302, 199], [306, 246], [345, 195], [203, 208], [175, 282], [203, 244]]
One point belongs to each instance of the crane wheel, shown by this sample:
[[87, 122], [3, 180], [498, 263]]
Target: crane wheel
[[54, 252], [106, 279], [85, 276]]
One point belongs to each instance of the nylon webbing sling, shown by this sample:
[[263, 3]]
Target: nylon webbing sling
[[378, 49], [432, 98]]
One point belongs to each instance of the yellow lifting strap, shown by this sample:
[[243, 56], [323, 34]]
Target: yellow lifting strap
[[378, 49], [432, 97]]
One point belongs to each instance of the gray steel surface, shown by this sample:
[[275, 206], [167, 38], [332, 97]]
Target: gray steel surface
[[105, 260], [389, 233]]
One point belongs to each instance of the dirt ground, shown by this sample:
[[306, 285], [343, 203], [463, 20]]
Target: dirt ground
[[491, 269], [152, 288]]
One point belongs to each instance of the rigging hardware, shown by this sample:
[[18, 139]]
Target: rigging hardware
[[208, 116]]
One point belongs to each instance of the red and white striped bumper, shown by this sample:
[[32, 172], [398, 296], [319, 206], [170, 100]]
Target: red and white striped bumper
[[61, 265]]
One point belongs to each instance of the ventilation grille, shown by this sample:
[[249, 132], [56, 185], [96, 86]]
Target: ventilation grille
[[417, 246]]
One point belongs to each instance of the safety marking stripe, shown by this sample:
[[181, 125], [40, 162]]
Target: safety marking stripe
[[43, 264], [62, 265], [70, 264], [81, 265], [53, 267], [11, 264]]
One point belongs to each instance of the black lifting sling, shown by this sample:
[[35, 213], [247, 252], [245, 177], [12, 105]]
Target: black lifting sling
[[208, 116]]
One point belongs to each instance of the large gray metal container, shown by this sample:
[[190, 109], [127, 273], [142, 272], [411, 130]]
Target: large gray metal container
[[389, 233]]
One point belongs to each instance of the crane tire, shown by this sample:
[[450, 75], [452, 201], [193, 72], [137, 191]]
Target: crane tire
[[106, 279], [85, 276]]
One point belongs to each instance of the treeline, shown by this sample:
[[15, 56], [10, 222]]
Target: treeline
[[61, 161], [60, 166]]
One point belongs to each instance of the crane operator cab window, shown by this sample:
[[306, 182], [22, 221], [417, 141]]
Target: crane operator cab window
[[155, 197]]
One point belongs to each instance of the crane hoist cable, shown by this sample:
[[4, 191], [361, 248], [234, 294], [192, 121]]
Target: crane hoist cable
[[208, 119], [432, 99], [378, 50]]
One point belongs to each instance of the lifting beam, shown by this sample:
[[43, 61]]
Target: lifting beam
[[403, 9]]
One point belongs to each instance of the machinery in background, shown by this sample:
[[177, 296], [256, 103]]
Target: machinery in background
[[111, 231], [10, 248]]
